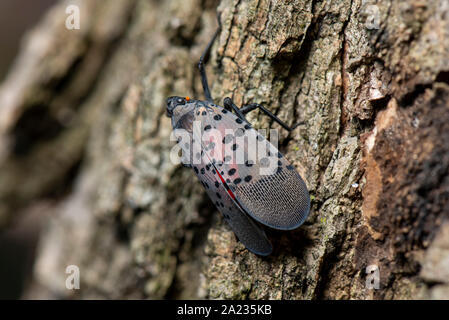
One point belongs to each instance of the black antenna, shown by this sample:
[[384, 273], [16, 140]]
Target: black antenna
[[204, 58]]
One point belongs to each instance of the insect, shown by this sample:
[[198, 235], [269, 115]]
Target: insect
[[246, 196]]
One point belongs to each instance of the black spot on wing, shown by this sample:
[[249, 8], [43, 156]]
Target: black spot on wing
[[264, 162], [228, 138], [239, 132], [249, 163]]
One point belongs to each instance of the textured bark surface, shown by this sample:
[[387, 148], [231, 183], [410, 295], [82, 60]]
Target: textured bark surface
[[85, 141]]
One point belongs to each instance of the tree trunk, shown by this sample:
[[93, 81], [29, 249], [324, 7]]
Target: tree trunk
[[83, 131]]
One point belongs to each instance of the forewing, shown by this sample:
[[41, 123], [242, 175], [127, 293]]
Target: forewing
[[279, 199], [246, 230]]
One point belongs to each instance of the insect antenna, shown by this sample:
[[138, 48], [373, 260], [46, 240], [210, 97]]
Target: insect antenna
[[203, 59]]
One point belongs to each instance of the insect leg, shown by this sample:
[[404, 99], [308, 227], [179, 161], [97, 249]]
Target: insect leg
[[253, 106], [230, 105], [203, 59]]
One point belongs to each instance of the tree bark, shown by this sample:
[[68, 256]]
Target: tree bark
[[86, 109]]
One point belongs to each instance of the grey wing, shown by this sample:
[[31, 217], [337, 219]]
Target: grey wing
[[246, 230], [279, 199]]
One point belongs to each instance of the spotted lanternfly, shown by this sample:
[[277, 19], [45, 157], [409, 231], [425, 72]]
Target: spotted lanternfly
[[244, 196]]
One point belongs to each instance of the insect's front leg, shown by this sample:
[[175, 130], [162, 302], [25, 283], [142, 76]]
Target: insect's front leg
[[253, 106], [230, 105]]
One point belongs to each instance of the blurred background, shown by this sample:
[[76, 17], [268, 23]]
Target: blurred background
[[18, 241], [72, 114], [16, 17]]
